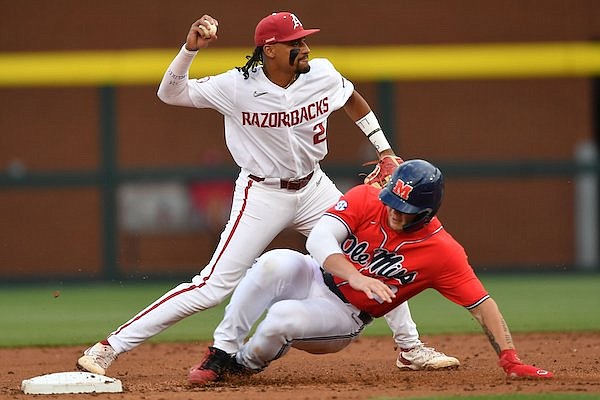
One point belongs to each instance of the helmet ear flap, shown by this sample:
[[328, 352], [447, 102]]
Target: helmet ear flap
[[423, 218]]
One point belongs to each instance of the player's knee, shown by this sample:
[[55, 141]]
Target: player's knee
[[214, 291], [282, 320], [280, 264]]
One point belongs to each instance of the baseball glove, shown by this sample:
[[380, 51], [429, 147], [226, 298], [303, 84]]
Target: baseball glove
[[382, 173]]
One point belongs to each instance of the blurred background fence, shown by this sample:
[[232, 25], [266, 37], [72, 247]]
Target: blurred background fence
[[100, 180]]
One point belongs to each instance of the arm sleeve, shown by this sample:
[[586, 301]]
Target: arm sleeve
[[326, 237], [216, 92], [173, 88]]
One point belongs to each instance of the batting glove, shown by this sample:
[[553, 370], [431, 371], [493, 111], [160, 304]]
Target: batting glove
[[514, 367]]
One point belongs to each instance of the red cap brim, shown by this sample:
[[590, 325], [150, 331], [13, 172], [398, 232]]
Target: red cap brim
[[293, 36], [298, 35]]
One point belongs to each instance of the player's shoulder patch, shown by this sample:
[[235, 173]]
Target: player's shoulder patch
[[341, 205], [358, 195]]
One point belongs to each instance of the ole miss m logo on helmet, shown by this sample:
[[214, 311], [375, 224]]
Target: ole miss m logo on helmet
[[402, 189]]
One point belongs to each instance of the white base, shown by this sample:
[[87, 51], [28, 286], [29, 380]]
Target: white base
[[71, 382]]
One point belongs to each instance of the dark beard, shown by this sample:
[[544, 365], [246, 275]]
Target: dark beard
[[303, 70], [293, 55]]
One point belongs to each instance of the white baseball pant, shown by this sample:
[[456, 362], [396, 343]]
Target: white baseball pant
[[260, 211]]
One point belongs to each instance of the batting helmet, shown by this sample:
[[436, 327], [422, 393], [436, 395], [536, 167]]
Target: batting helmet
[[416, 187]]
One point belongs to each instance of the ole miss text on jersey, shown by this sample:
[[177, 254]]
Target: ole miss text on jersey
[[408, 262]]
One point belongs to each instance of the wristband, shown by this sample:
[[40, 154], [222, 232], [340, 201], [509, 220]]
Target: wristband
[[188, 52], [370, 127]]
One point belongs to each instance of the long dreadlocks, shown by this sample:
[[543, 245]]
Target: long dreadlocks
[[253, 61]]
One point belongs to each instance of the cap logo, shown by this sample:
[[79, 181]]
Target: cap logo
[[402, 189], [295, 21]]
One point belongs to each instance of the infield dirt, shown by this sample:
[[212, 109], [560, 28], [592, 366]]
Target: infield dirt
[[363, 370]]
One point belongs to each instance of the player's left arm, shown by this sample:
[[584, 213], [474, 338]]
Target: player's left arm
[[458, 283], [491, 320], [360, 112], [485, 310], [489, 317]]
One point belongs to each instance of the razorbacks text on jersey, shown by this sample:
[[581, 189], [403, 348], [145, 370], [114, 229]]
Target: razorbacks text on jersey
[[273, 131]]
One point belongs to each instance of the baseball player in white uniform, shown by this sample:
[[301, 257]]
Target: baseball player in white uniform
[[275, 112]]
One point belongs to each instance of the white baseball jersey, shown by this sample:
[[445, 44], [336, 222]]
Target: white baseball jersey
[[271, 132]]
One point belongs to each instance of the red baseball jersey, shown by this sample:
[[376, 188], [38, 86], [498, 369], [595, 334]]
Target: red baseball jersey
[[408, 262]]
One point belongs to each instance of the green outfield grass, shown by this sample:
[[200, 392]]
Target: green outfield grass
[[85, 313]]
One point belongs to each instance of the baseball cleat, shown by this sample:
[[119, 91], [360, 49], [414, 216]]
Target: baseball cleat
[[97, 358], [211, 368], [425, 358]]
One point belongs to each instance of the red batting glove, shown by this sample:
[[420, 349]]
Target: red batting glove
[[514, 367]]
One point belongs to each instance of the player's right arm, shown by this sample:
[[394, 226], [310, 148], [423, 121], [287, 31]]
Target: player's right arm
[[195, 38], [338, 265], [173, 88], [324, 244]]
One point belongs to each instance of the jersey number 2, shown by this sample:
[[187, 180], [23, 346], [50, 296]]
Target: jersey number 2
[[321, 133]]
